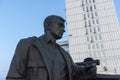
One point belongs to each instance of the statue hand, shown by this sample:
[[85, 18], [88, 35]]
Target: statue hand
[[91, 68]]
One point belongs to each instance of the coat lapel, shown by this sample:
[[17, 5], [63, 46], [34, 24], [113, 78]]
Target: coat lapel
[[67, 59], [42, 48]]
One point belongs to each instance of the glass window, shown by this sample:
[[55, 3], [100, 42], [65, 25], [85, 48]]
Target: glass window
[[98, 29], [91, 38], [92, 15], [89, 1], [85, 23], [97, 21], [89, 47], [93, 21], [88, 15], [94, 6], [87, 8], [94, 30], [91, 9], [96, 37], [100, 37], [88, 38], [102, 46], [86, 2], [89, 23], [84, 16], [93, 0], [96, 14], [97, 45], [83, 8], [86, 31], [93, 46], [90, 30], [82, 3]]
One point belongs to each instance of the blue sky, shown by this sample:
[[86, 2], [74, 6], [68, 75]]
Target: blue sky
[[24, 18], [21, 19], [117, 7]]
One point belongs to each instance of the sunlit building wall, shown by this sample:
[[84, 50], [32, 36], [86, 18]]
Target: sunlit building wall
[[94, 32]]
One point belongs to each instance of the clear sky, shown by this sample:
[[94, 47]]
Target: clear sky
[[117, 7], [24, 18], [21, 19]]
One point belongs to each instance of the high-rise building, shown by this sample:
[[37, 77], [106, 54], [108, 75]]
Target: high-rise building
[[94, 31]]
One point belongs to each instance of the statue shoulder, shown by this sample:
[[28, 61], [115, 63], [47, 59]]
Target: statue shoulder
[[29, 40], [32, 39], [35, 39]]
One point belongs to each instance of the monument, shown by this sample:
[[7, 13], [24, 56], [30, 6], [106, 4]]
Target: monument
[[41, 58]]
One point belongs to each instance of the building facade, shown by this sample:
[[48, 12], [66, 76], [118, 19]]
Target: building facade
[[94, 31]]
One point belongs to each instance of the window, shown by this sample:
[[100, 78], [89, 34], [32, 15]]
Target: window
[[102, 46], [97, 21], [89, 47], [90, 30], [87, 8], [89, 1], [84, 16], [91, 38], [98, 29], [88, 15], [92, 15], [97, 45], [85, 23], [86, 31], [96, 37], [82, 3], [94, 30], [91, 9], [86, 2], [88, 38], [89, 23], [96, 14], [93, 21], [93, 46], [100, 37], [94, 6], [83, 8]]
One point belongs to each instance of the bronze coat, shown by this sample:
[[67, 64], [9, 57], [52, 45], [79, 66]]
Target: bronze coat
[[31, 62]]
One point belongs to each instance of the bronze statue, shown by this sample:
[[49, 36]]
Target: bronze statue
[[41, 58]]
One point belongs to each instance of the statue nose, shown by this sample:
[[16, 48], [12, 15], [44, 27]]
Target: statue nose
[[63, 30]]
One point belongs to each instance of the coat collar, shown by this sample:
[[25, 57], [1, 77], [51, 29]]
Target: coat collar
[[40, 44]]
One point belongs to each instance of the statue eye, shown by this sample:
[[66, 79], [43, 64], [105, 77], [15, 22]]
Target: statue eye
[[60, 24]]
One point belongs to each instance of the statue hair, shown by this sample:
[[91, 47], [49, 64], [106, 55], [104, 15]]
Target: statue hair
[[48, 21]]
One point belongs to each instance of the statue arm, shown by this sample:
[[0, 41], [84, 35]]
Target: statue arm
[[83, 71], [78, 70], [17, 70]]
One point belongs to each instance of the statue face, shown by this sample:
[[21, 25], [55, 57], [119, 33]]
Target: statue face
[[57, 28]]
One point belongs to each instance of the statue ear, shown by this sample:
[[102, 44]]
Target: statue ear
[[47, 24]]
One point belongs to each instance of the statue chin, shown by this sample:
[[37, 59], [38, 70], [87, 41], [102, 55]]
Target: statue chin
[[57, 36]]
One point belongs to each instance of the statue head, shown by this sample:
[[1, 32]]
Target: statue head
[[55, 25]]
